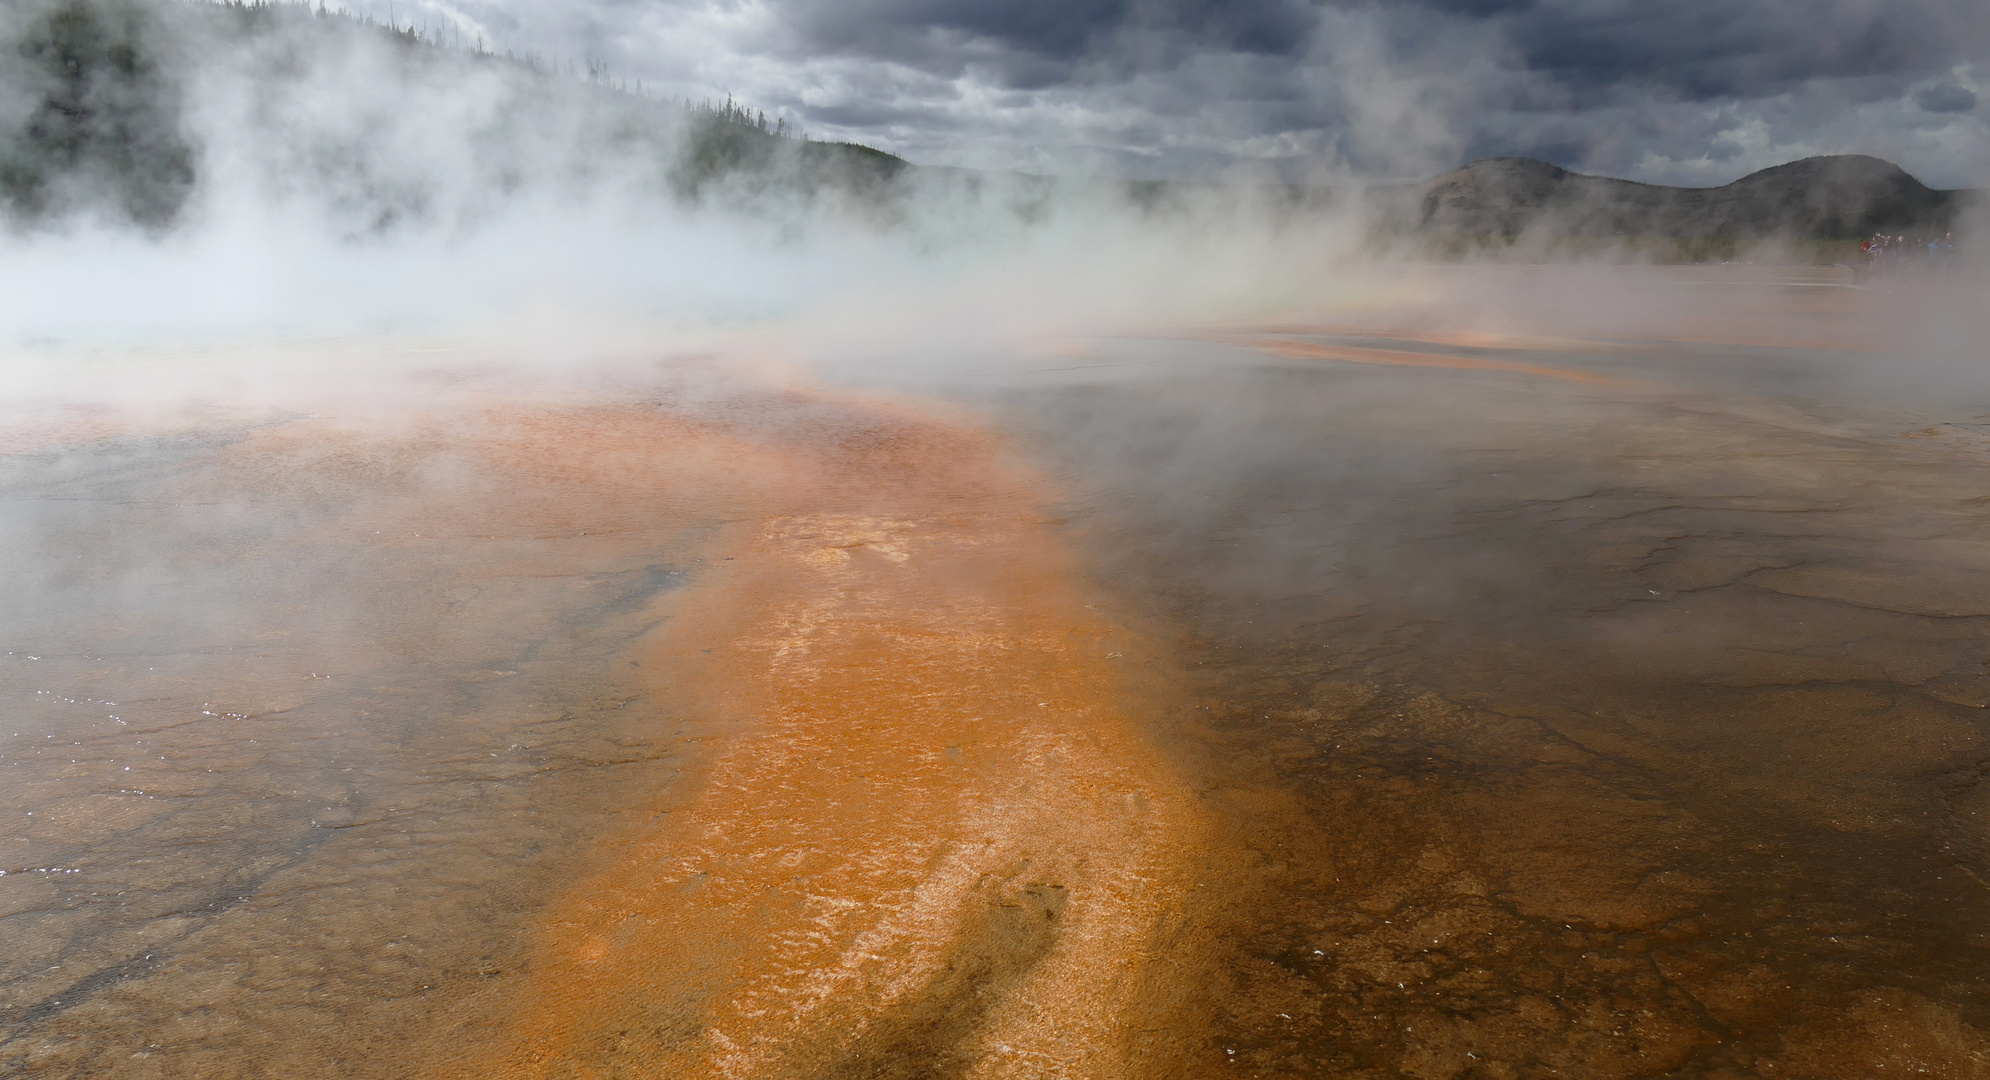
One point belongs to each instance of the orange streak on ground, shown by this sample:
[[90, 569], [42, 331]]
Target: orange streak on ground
[[1302, 350], [929, 831]]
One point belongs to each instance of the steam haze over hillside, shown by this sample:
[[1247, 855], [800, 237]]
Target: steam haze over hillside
[[307, 160]]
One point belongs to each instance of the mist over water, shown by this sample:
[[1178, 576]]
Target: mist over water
[[1572, 695], [497, 585]]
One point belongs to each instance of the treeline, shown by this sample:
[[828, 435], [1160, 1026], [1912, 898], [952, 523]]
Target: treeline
[[450, 36], [96, 118]]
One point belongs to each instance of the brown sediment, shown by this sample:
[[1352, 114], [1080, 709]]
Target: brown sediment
[[1304, 350], [929, 837], [1679, 775]]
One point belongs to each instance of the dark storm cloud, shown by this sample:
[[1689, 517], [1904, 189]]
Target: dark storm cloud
[[1946, 98], [1703, 49], [1684, 90], [1697, 50]]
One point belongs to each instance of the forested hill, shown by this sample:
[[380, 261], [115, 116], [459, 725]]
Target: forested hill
[[126, 109], [1821, 199]]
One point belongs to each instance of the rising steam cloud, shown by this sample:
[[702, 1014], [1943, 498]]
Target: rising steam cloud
[[202, 171], [228, 170]]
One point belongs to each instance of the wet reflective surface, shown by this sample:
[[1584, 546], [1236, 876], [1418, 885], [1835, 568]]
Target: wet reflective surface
[[1375, 696], [296, 740], [1616, 726]]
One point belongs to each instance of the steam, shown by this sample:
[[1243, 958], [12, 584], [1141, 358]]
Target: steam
[[226, 172], [199, 174]]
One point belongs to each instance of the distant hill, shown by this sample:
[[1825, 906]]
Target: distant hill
[[1838, 198]]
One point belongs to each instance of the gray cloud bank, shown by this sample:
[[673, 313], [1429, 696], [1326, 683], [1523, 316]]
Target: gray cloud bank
[[1692, 91]]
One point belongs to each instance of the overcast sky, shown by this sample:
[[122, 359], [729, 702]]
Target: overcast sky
[[1672, 91]]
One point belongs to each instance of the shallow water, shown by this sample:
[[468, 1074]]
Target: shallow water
[[1355, 699], [1609, 727], [295, 739]]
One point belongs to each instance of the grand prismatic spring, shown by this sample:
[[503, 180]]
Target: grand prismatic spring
[[1383, 695]]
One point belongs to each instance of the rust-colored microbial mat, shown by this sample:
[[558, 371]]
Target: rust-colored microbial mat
[[929, 838]]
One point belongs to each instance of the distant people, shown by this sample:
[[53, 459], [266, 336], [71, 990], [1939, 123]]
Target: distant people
[[1941, 253], [1876, 252], [1888, 254]]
